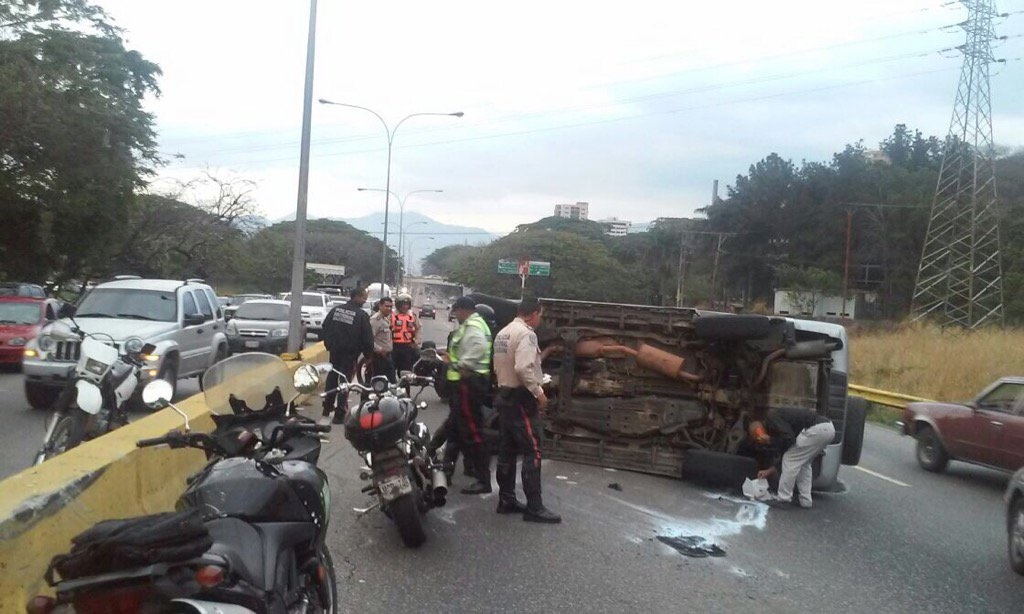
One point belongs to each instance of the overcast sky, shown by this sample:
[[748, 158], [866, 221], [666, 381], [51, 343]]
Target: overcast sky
[[634, 107]]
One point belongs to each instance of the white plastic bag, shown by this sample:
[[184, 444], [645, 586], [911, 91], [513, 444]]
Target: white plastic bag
[[756, 489]]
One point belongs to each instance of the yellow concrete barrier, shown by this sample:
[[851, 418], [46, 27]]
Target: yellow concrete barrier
[[43, 507]]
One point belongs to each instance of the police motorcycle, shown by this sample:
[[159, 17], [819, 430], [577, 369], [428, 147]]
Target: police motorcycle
[[248, 536], [96, 397], [405, 478]]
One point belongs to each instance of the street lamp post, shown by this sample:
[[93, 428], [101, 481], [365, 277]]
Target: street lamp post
[[401, 215], [387, 184]]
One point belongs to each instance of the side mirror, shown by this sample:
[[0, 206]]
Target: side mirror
[[157, 394], [306, 379], [67, 310], [194, 319]]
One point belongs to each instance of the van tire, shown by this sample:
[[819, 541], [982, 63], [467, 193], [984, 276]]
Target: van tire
[[853, 431], [718, 468], [732, 327]]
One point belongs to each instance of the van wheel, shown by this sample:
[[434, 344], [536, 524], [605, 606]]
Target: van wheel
[[853, 429], [732, 327], [39, 396]]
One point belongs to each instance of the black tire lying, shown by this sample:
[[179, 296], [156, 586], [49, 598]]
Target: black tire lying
[[718, 468], [732, 327]]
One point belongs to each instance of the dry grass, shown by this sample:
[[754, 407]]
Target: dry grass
[[928, 362]]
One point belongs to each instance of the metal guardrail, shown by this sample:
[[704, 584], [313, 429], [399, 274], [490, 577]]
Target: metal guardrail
[[884, 397]]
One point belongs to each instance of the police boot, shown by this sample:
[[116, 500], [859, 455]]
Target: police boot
[[542, 514], [482, 465]]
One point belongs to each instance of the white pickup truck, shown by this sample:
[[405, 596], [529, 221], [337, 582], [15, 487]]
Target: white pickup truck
[[181, 318]]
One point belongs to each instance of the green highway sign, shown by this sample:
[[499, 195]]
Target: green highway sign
[[510, 267], [540, 269]]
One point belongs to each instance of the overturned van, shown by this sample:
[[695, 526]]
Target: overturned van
[[669, 390]]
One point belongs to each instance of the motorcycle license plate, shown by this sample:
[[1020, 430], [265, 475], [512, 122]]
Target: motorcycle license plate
[[393, 488], [252, 344]]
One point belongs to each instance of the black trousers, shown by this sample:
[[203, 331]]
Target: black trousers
[[405, 356], [464, 404], [346, 363], [383, 365], [521, 433]]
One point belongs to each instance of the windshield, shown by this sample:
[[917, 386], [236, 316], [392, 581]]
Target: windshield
[[250, 377], [262, 311], [20, 313], [242, 298], [128, 303]]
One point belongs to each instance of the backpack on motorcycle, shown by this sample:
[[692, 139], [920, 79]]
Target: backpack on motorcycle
[[115, 545]]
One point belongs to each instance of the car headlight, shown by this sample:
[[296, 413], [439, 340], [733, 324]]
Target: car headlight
[[133, 345], [279, 332], [17, 341], [47, 343], [232, 328]]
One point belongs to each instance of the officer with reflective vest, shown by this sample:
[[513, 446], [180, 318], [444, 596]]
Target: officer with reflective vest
[[469, 377], [404, 328]]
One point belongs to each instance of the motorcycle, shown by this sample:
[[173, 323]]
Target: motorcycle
[[261, 505], [406, 479], [96, 397]]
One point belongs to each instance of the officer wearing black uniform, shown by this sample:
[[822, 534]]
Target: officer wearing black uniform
[[346, 334]]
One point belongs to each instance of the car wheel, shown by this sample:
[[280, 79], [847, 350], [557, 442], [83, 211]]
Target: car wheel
[[931, 454], [169, 373], [1015, 534], [39, 396], [718, 468]]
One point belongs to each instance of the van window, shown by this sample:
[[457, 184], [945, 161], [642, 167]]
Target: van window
[[216, 304]]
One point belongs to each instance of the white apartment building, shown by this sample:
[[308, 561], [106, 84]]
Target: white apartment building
[[578, 211], [615, 227]]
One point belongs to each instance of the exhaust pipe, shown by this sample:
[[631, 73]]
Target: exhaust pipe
[[440, 483]]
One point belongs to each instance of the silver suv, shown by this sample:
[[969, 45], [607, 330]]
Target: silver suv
[[260, 326], [182, 319]]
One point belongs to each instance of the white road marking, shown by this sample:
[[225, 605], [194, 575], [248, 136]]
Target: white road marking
[[881, 477]]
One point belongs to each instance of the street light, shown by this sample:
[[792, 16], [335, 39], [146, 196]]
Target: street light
[[387, 184], [401, 213]]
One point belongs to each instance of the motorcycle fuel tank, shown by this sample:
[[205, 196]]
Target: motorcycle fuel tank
[[290, 491]]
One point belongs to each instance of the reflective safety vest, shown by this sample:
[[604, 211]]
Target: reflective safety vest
[[403, 327], [475, 321]]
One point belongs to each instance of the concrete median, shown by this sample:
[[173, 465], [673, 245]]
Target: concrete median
[[43, 507]]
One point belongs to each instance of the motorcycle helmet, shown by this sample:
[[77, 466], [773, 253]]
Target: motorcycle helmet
[[403, 298]]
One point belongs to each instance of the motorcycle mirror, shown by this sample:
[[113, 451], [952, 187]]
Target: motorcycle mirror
[[157, 394], [306, 379], [89, 398], [149, 348]]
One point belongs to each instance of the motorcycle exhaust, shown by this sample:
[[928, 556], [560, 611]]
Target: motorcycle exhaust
[[440, 483]]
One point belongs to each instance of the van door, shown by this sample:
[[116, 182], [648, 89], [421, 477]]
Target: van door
[[194, 340]]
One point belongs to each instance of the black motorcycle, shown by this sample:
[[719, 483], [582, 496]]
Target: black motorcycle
[[404, 476], [249, 534]]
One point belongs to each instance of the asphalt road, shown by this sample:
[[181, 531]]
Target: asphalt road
[[899, 540]]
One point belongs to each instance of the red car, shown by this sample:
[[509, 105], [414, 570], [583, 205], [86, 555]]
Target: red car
[[21, 317], [986, 431]]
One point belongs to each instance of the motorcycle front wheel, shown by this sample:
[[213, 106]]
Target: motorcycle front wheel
[[406, 514], [67, 433]]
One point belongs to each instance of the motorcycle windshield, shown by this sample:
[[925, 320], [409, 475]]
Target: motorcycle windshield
[[250, 377]]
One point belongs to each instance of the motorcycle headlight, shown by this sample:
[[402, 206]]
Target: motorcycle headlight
[[47, 343], [279, 332], [17, 341], [133, 345]]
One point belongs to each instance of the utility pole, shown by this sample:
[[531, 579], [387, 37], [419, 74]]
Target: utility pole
[[714, 270], [680, 271], [960, 277], [846, 265], [299, 255]]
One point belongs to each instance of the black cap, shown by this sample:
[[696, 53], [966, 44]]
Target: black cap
[[464, 302]]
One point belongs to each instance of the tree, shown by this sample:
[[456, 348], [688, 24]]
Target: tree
[[76, 142], [444, 261]]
